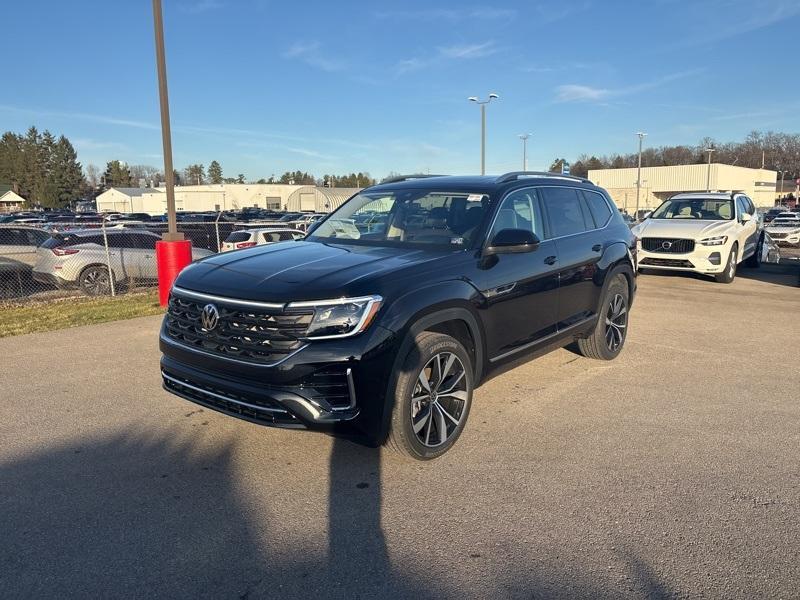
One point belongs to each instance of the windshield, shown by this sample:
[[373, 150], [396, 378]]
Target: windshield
[[786, 222], [705, 209], [407, 217]]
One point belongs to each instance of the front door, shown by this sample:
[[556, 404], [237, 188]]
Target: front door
[[748, 231], [521, 290]]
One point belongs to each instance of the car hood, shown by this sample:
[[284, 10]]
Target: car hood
[[291, 271], [682, 228]]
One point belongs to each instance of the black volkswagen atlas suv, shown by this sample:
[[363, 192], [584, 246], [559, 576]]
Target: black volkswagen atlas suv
[[397, 305]]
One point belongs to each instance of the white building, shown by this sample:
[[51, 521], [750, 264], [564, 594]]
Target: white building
[[224, 196], [659, 183]]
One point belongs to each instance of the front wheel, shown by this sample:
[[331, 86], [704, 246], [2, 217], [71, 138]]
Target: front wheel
[[729, 274], [608, 336], [432, 397]]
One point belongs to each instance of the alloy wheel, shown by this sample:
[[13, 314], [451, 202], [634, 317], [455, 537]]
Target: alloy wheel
[[438, 399], [96, 282], [616, 322]]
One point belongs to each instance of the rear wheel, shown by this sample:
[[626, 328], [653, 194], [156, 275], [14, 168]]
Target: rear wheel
[[729, 274], [432, 397], [608, 337], [95, 281]]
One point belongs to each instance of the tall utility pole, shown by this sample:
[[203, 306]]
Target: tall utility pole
[[524, 137], [708, 175], [783, 174], [482, 104], [641, 135], [166, 137]]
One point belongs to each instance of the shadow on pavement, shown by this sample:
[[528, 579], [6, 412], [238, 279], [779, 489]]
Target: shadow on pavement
[[134, 517]]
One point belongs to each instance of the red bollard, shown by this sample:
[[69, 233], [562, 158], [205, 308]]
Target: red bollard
[[171, 258]]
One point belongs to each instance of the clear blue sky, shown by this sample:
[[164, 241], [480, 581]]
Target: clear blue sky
[[265, 86]]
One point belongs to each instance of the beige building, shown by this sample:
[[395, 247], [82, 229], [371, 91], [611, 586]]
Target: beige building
[[11, 201], [659, 183], [222, 197]]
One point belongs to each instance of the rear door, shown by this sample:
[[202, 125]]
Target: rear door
[[521, 290], [580, 245]]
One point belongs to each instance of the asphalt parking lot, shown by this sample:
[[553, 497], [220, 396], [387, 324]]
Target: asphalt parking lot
[[671, 472]]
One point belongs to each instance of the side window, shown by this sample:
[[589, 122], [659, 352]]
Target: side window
[[287, 235], [270, 237], [741, 206], [564, 211], [5, 237], [14, 237], [598, 207], [145, 242], [519, 210]]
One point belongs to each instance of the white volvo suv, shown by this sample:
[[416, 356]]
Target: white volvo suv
[[708, 233]]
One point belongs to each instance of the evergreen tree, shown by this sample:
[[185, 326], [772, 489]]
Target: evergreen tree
[[117, 175], [215, 172]]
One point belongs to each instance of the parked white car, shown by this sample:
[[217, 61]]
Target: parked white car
[[79, 259], [18, 245], [708, 233], [247, 238], [785, 229]]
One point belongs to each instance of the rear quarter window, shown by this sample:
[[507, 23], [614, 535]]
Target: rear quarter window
[[598, 207]]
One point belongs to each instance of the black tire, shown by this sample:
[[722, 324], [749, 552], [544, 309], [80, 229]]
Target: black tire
[[608, 337], [426, 423], [754, 261], [95, 281], [729, 274]]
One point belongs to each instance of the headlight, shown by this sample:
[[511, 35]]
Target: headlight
[[339, 318], [714, 241]]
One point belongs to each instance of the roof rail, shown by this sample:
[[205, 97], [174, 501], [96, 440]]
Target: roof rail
[[514, 175], [407, 177]]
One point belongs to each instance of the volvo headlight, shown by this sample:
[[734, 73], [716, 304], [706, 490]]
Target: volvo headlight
[[339, 318], [714, 241]]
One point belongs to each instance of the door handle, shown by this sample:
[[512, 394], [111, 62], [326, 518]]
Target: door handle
[[597, 247], [550, 260]]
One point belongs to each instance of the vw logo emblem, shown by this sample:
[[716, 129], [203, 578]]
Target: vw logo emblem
[[666, 245], [209, 317]]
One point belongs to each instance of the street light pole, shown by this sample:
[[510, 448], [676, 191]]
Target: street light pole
[[524, 137], [708, 175], [483, 104], [173, 252], [641, 135], [166, 137]]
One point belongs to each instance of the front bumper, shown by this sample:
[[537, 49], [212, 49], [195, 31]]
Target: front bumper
[[703, 259], [336, 384]]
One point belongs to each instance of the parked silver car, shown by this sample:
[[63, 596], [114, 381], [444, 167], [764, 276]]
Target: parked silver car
[[79, 259], [18, 245]]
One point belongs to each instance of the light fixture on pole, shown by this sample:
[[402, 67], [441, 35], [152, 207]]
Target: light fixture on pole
[[482, 104], [641, 135], [708, 175], [524, 137]]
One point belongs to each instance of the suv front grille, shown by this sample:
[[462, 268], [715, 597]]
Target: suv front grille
[[667, 245], [254, 335]]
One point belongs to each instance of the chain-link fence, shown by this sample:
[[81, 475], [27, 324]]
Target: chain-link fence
[[54, 260]]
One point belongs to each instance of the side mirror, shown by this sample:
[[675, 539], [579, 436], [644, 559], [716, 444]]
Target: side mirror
[[746, 217], [512, 241]]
